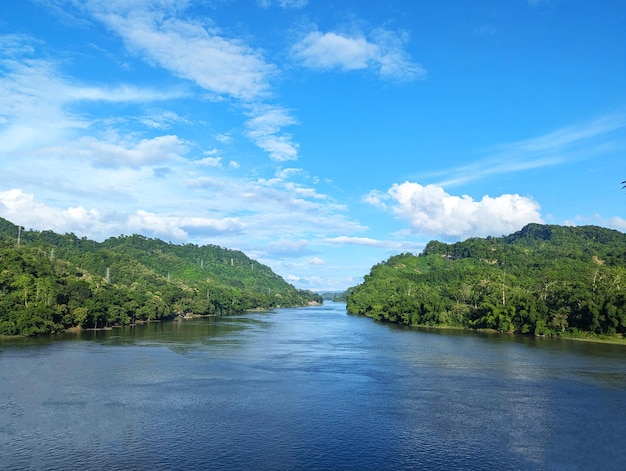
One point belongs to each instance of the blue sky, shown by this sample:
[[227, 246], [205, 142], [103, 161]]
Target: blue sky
[[318, 137]]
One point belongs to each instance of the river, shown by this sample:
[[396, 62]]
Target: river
[[309, 388]]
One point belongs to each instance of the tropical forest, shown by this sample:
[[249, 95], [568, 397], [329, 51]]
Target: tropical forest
[[52, 282], [542, 280]]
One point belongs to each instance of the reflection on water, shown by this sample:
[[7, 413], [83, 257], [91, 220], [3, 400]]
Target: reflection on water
[[309, 388]]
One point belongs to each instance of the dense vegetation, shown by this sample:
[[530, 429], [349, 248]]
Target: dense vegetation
[[542, 280], [51, 282], [336, 296]]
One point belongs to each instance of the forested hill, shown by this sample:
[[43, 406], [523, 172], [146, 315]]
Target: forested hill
[[50, 282], [542, 280]]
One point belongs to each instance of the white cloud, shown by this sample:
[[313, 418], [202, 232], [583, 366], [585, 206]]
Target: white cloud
[[393, 245], [382, 51], [286, 173], [146, 152], [23, 209], [13, 45], [178, 227], [433, 212], [564, 145], [294, 4], [216, 63], [163, 119], [287, 248], [376, 198], [331, 50], [38, 103], [224, 138], [345, 240], [615, 222], [209, 161], [189, 49], [160, 34], [264, 127]]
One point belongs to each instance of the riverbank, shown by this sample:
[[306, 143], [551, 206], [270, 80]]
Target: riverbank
[[616, 339]]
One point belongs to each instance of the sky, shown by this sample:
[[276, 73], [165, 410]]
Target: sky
[[318, 137]]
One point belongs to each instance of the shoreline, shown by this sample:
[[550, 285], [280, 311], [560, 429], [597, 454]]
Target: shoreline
[[597, 338]]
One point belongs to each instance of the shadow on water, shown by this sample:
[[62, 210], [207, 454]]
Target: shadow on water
[[178, 335], [310, 388]]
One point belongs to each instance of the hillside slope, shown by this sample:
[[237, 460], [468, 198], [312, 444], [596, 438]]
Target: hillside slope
[[50, 282], [543, 280]]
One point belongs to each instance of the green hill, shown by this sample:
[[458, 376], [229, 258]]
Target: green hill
[[543, 280], [51, 282]]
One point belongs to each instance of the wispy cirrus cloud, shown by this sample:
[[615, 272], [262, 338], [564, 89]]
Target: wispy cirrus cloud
[[615, 222], [373, 243], [149, 152], [286, 248], [163, 35], [39, 105], [381, 51], [346, 240], [291, 4], [264, 128], [564, 145]]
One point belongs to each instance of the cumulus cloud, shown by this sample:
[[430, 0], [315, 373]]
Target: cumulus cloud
[[433, 212], [209, 162], [383, 51], [376, 198], [24, 209]]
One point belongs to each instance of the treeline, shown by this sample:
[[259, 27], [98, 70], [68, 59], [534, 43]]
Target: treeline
[[51, 282], [542, 280]]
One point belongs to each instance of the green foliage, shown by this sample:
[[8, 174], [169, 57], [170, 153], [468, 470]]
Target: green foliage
[[542, 280], [52, 282]]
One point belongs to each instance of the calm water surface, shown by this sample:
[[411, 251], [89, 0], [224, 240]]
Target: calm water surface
[[309, 388]]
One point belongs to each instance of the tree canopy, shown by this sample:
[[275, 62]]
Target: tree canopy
[[50, 282], [542, 280]]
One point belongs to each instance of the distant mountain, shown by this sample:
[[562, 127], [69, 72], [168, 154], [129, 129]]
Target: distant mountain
[[51, 282], [336, 296], [543, 280]]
